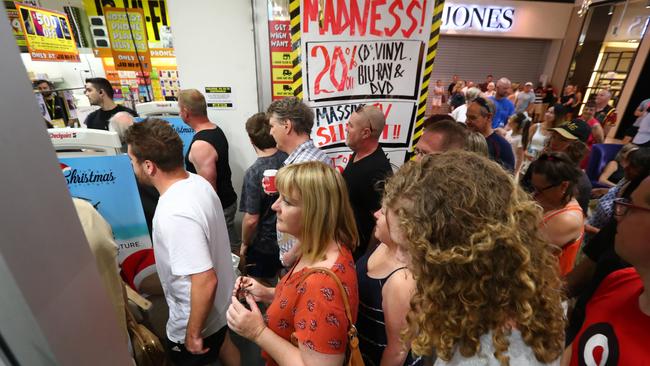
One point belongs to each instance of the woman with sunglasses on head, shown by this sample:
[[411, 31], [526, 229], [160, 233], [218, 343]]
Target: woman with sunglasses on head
[[306, 308], [487, 285], [553, 180]]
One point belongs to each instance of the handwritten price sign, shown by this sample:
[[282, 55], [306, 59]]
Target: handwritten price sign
[[363, 69]]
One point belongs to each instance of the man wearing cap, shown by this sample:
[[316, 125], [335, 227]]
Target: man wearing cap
[[525, 100], [570, 138]]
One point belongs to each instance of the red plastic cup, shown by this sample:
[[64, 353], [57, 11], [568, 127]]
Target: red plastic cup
[[268, 182]]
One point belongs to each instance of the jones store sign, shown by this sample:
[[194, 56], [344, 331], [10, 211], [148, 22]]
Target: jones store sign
[[478, 17]]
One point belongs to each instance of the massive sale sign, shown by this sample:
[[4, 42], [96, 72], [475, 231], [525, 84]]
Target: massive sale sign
[[364, 52]]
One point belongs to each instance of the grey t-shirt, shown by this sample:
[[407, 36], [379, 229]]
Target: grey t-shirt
[[524, 100]]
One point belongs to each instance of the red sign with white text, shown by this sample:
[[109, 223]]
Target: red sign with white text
[[281, 66]]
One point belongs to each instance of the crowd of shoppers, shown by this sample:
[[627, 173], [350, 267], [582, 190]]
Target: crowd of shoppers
[[465, 255]]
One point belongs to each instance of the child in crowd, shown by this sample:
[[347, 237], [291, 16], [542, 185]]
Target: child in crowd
[[517, 135]]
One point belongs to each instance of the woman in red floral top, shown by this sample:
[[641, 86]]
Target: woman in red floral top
[[313, 206]]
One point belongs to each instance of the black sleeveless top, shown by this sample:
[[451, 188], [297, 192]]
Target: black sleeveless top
[[217, 139], [370, 321]]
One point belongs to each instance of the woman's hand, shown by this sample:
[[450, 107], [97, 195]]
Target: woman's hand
[[258, 291], [247, 323]]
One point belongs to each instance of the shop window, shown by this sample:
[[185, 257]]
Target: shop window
[[607, 47]]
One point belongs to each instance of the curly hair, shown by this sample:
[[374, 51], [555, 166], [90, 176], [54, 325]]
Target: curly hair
[[478, 257]]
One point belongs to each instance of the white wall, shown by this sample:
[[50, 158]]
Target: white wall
[[552, 55], [215, 47]]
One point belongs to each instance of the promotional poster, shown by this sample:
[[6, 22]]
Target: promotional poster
[[108, 183], [358, 52]]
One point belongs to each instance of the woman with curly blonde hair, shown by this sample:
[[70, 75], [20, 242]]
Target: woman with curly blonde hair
[[488, 288]]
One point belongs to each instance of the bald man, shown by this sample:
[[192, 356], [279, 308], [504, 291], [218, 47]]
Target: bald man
[[504, 107], [208, 156], [605, 113], [368, 166]]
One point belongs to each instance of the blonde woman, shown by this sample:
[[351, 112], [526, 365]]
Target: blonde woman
[[476, 143], [488, 289], [313, 207], [385, 288]]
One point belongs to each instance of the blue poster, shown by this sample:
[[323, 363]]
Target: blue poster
[[108, 183], [184, 131]]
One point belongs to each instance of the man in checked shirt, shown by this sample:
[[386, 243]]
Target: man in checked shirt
[[291, 122]]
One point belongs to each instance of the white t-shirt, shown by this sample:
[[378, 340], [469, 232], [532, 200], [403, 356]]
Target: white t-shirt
[[460, 113], [189, 237], [520, 354]]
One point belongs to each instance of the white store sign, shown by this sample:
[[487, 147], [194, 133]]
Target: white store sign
[[506, 18], [486, 18]]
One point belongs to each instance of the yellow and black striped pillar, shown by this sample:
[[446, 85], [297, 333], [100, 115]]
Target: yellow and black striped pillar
[[296, 34], [428, 67]]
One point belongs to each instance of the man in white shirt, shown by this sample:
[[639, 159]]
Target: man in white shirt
[[191, 244]]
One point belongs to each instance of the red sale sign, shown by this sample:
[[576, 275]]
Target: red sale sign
[[364, 52]]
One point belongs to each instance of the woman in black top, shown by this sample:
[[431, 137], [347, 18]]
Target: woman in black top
[[385, 290], [568, 97]]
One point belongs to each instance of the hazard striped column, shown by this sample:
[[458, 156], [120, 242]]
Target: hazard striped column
[[428, 68], [296, 34]]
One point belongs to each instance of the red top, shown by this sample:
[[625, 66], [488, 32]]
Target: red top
[[569, 251], [590, 142], [315, 311], [615, 331]]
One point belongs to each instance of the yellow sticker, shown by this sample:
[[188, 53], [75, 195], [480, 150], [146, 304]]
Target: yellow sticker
[[282, 90], [281, 59], [282, 75]]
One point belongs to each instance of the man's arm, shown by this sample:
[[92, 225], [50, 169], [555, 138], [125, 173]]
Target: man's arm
[[204, 158], [531, 106], [203, 290], [248, 226]]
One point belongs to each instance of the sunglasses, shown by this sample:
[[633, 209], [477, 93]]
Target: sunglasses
[[537, 192]]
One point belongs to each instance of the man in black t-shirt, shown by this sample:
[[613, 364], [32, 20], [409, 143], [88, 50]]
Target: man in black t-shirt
[[100, 92], [208, 156], [367, 169]]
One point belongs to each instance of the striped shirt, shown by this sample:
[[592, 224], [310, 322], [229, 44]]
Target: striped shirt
[[307, 152]]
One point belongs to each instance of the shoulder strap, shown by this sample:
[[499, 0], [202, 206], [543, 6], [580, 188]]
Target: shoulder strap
[[387, 277], [336, 279], [570, 207]]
